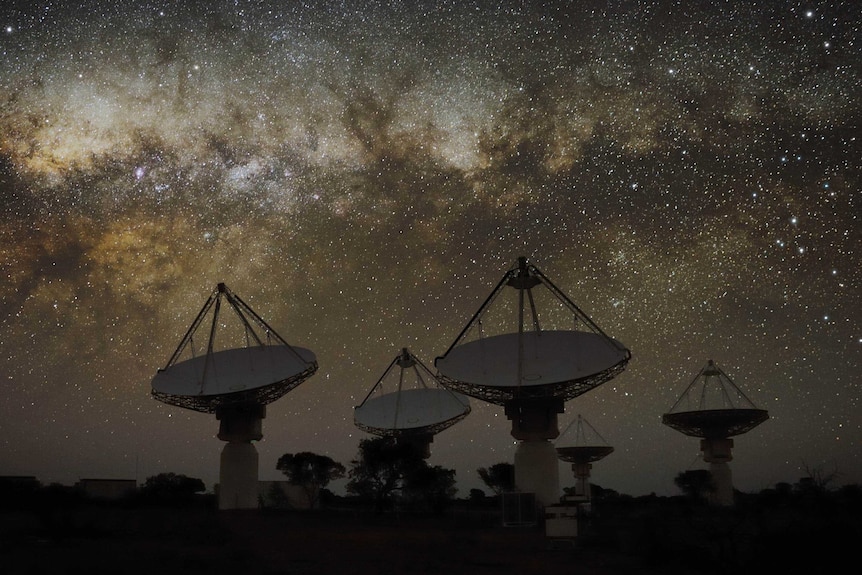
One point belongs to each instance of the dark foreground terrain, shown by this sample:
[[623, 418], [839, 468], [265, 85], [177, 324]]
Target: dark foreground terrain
[[162, 541], [648, 535]]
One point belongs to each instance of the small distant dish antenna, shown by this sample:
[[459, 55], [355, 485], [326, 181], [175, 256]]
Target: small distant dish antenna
[[713, 406], [409, 404], [588, 447], [715, 409], [233, 365]]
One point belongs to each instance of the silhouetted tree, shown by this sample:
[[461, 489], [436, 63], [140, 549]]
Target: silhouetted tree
[[275, 498], [429, 488], [499, 478], [596, 492], [695, 483], [852, 491], [784, 489], [311, 471], [378, 472], [171, 488], [17, 492], [816, 480]]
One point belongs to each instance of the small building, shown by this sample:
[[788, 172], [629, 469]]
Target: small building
[[563, 520], [519, 508], [107, 489]]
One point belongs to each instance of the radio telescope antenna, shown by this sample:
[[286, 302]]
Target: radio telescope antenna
[[589, 447], [409, 404], [530, 348], [243, 365], [713, 408]]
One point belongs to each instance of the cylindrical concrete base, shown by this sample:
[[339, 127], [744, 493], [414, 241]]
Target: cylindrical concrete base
[[238, 476], [722, 480], [537, 471], [717, 452]]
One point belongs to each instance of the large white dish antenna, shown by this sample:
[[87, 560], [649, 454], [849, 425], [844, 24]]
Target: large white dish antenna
[[520, 360], [411, 410], [546, 363], [259, 372], [713, 406], [233, 370]]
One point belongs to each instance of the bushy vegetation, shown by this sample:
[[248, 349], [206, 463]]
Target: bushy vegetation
[[311, 471], [171, 489], [786, 529], [499, 477], [805, 527], [387, 474]]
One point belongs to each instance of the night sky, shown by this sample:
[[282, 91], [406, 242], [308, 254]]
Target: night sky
[[363, 173]]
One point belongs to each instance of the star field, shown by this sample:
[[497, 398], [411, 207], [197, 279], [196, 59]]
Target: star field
[[363, 173]]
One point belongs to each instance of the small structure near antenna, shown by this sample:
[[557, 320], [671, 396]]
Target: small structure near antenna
[[409, 404], [565, 520], [529, 348], [713, 408], [240, 365], [588, 448]]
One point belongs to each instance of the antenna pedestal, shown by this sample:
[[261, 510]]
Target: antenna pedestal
[[582, 480], [537, 471], [534, 423], [239, 425], [717, 452], [535, 419], [418, 442]]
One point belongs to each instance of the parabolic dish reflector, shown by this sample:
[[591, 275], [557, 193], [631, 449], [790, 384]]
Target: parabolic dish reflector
[[562, 364], [713, 407], [588, 446], [426, 410], [715, 423], [259, 374], [584, 453], [257, 365]]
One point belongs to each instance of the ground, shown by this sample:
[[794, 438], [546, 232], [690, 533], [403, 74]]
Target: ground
[[164, 541], [773, 532]]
